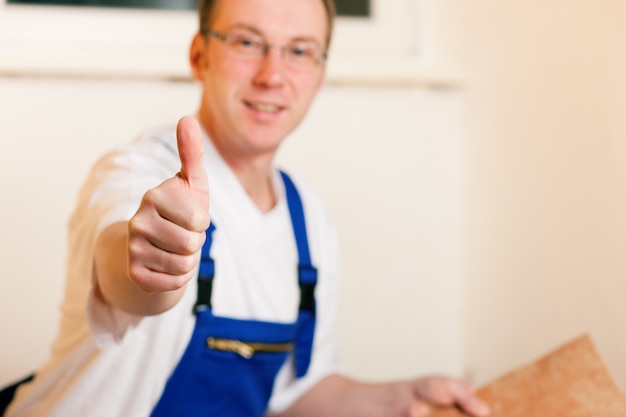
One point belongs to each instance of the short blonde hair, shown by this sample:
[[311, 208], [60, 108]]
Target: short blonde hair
[[206, 8]]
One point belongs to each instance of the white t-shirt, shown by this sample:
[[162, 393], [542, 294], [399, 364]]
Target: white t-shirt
[[107, 363]]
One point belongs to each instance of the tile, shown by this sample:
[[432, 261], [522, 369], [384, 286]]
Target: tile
[[571, 381]]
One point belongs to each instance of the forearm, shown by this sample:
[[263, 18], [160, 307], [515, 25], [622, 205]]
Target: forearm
[[339, 396], [114, 283]]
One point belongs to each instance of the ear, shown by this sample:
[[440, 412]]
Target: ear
[[198, 59]]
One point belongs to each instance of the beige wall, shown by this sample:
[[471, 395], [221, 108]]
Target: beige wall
[[545, 180]]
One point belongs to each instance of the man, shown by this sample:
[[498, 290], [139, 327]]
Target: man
[[177, 306]]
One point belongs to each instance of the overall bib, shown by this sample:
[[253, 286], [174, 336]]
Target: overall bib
[[230, 365]]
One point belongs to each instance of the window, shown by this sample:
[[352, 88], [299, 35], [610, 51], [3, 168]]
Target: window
[[355, 8], [147, 4]]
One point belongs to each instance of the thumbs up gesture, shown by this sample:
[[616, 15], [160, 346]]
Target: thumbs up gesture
[[166, 235]]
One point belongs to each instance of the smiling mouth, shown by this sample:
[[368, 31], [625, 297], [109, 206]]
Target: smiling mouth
[[264, 107]]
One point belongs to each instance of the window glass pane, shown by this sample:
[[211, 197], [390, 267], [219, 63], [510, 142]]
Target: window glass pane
[[148, 4], [360, 8], [344, 7]]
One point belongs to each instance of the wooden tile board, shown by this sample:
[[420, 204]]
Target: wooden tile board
[[572, 381]]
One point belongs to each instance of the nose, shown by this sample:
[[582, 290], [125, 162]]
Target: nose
[[271, 71]]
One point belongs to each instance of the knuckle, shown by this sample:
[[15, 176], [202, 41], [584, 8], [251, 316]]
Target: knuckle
[[184, 265], [178, 281], [151, 197], [198, 221], [139, 275], [138, 225], [193, 243], [134, 246], [137, 250]]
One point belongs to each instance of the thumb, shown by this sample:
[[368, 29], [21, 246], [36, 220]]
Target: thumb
[[191, 152]]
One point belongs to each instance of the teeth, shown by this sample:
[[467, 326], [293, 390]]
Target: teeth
[[264, 107]]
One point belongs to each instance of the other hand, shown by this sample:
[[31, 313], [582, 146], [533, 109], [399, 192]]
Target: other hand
[[426, 394]]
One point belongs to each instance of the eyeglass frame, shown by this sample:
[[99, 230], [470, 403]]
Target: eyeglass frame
[[222, 37]]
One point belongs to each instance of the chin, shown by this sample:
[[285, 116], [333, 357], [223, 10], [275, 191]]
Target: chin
[[266, 141]]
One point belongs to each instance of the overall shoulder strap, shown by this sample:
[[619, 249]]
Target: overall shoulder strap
[[205, 274], [307, 279]]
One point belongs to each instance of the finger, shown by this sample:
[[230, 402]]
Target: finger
[[467, 400], [169, 263], [420, 409], [170, 237], [164, 234], [474, 406], [191, 153], [153, 281], [169, 202]]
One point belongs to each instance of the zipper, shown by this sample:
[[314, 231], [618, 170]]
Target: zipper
[[246, 349]]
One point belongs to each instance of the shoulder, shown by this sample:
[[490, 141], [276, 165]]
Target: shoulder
[[152, 152], [154, 142]]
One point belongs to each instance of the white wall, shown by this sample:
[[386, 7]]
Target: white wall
[[386, 160]]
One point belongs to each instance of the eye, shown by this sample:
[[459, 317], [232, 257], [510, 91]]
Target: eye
[[242, 41], [302, 51]]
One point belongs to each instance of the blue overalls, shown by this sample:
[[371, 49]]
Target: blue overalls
[[230, 365]]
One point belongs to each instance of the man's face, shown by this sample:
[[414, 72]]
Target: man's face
[[250, 104]]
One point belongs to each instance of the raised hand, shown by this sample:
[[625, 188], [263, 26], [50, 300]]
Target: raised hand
[[166, 234]]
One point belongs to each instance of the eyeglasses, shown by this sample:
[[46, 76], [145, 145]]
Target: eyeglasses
[[299, 53]]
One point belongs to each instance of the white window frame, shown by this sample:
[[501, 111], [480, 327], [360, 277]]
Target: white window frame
[[132, 43]]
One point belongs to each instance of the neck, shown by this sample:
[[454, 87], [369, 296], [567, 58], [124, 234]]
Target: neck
[[252, 167], [256, 179]]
